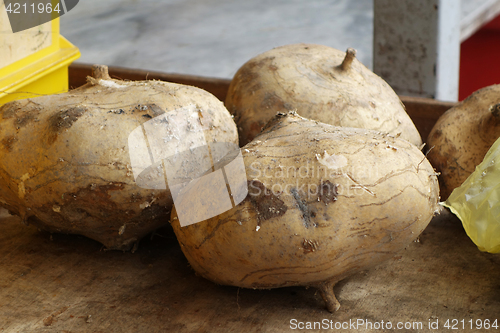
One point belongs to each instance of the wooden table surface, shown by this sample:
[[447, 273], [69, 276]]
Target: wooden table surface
[[67, 283]]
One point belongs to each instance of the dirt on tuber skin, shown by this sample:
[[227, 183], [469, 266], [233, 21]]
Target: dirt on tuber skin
[[461, 137], [323, 203], [65, 162], [319, 83]]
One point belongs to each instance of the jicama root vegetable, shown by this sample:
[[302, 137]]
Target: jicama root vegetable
[[319, 83], [89, 161], [323, 203], [461, 137]]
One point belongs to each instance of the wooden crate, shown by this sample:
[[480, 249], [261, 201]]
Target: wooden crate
[[67, 283], [423, 111]]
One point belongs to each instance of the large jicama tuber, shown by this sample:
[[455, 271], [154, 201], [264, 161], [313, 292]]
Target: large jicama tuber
[[90, 161], [323, 202], [319, 83], [461, 137]]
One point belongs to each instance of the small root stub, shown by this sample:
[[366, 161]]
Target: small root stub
[[326, 291], [100, 72], [350, 55], [495, 110]]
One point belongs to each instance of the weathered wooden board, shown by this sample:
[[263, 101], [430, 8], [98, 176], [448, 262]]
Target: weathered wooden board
[[62, 283], [67, 283]]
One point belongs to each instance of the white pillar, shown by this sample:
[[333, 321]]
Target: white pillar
[[417, 46]]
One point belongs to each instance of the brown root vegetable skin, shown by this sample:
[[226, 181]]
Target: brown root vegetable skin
[[319, 83], [461, 137], [65, 163], [324, 202]]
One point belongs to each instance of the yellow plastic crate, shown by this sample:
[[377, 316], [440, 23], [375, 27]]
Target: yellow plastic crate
[[43, 72]]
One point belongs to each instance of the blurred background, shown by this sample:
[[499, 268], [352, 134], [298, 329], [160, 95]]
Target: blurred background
[[211, 37], [215, 37]]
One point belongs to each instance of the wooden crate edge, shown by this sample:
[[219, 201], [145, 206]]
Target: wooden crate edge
[[423, 111]]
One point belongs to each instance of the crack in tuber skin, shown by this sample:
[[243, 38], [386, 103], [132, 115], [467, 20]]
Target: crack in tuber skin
[[62, 121], [495, 111], [265, 202], [304, 209], [328, 192]]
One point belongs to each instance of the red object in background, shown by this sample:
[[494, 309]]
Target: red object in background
[[480, 59]]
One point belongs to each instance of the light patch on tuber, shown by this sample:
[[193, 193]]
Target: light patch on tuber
[[111, 84], [147, 204], [21, 189], [332, 161]]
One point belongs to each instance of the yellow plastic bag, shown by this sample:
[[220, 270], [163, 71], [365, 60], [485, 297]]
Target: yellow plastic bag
[[477, 202]]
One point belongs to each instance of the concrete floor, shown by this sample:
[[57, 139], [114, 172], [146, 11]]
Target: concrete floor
[[211, 37]]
